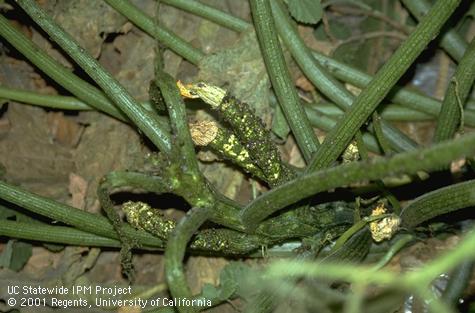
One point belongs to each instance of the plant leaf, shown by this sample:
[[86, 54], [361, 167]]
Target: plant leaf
[[6, 255], [230, 277], [15, 255], [306, 11], [21, 253]]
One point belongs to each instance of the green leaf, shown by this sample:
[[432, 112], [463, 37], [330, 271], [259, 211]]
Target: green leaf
[[228, 283], [15, 255], [338, 29], [6, 254], [212, 293], [6, 212], [21, 253], [306, 11], [230, 277], [53, 247]]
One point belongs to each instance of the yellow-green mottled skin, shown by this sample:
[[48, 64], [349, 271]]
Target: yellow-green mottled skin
[[248, 128], [227, 145], [254, 137], [217, 240], [142, 216], [156, 97]]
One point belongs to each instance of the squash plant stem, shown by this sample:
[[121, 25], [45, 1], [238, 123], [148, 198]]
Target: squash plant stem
[[116, 92], [384, 80]]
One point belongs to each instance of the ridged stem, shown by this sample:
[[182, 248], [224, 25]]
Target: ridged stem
[[320, 76], [44, 100], [60, 74], [459, 88], [183, 146], [312, 183], [175, 253], [384, 80], [54, 234], [81, 220], [162, 34], [210, 13], [399, 95], [438, 202], [280, 78], [451, 41], [116, 92]]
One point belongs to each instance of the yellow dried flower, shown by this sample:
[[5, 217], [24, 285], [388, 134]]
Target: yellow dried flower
[[351, 153], [384, 228]]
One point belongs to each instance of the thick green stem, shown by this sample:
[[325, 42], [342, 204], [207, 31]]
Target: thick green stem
[[327, 123], [280, 78], [175, 253], [165, 36], [146, 182], [225, 212], [325, 82], [318, 75], [116, 92], [184, 147], [56, 211], [55, 234], [57, 71], [369, 98], [209, 13], [402, 96], [82, 220], [48, 101], [127, 242], [352, 250], [459, 88], [451, 41], [378, 132], [310, 184], [360, 79], [391, 112], [438, 202], [397, 139], [61, 102]]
